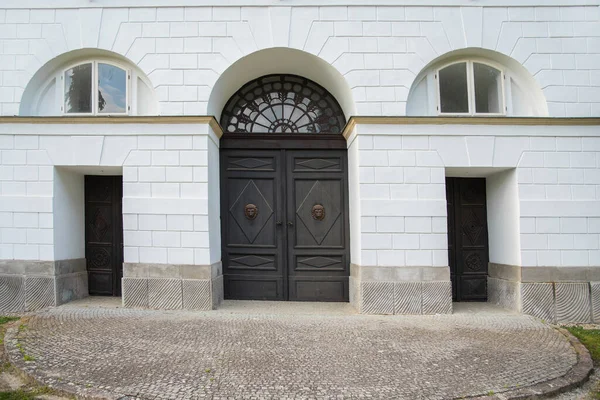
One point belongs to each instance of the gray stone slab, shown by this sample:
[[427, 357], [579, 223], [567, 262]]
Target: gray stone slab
[[197, 294], [165, 294], [407, 298], [22, 267], [39, 292], [537, 299], [572, 302], [63, 267], [377, 297], [196, 272], [218, 291], [595, 292], [504, 293], [437, 297], [560, 274], [71, 287], [503, 271], [135, 292], [12, 293]]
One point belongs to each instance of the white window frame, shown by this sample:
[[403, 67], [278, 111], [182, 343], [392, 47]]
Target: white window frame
[[95, 63], [471, 88]]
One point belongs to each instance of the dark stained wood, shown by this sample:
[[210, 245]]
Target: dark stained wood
[[275, 141], [468, 251], [284, 253], [104, 234]]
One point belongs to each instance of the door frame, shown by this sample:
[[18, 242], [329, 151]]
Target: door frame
[[283, 143]]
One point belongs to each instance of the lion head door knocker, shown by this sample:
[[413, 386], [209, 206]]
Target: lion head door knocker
[[318, 212], [251, 211]]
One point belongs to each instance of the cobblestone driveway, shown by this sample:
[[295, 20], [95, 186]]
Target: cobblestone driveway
[[224, 355]]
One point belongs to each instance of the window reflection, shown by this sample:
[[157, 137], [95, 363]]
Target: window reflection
[[112, 89], [78, 89], [488, 89], [454, 96]]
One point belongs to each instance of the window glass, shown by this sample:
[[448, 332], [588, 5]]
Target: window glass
[[78, 89], [454, 96], [488, 89], [112, 89]]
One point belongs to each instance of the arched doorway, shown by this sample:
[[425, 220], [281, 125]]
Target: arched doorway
[[284, 192]]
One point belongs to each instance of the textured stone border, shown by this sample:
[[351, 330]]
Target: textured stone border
[[576, 376]]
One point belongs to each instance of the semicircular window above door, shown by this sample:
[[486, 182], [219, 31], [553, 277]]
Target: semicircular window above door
[[285, 104]]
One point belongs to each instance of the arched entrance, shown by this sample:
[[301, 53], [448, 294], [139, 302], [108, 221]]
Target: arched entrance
[[284, 192]]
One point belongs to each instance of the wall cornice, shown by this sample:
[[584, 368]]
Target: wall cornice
[[164, 120], [489, 121], [36, 4]]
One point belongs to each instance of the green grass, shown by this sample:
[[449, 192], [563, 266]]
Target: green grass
[[17, 395], [5, 320], [590, 338]]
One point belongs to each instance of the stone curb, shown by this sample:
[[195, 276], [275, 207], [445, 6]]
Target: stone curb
[[577, 376], [28, 371]]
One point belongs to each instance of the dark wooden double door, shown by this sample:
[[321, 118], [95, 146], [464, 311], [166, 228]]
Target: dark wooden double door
[[104, 234], [467, 238], [284, 220]]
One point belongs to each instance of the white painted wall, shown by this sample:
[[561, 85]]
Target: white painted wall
[[69, 215], [503, 215], [166, 183], [379, 50], [552, 189]]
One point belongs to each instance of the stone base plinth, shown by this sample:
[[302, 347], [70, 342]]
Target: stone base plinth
[[33, 285], [172, 287], [401, 290]]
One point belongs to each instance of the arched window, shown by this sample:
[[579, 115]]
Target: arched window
[[83, 84], [287, 104], [475, 86], [96, 87]]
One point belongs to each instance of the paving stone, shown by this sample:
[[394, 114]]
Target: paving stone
[[151, 354]]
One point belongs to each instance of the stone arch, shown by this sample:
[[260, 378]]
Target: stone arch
[[40, 87], [523, 93], [280, 60]]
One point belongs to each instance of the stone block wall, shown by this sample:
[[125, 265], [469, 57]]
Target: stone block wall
[[167, 213], [379, 50]]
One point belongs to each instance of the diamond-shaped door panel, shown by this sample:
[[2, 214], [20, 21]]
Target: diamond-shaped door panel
[[321, 196], [472, 227], [251, 224]]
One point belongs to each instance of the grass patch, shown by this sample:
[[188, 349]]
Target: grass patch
[[5, 320], [590, 338], [17, 395]]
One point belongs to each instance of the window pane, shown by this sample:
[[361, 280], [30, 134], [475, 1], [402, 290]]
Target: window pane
[[488, 89], [453, 89], [112, 89], [78, 89]]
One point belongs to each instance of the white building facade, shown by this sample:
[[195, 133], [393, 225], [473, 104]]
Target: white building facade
[[393, 154]]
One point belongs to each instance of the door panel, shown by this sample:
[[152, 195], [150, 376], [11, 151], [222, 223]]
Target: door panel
[[251, 206], [104, 234], [318, 241], [468, 238], [291, 250]]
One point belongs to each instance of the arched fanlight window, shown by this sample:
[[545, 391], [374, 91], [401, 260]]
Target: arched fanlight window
[[95, 88], [286, 104], [472, 88]]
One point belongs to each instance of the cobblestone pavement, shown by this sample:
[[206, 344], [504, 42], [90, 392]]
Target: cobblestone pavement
[[252, 355]]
